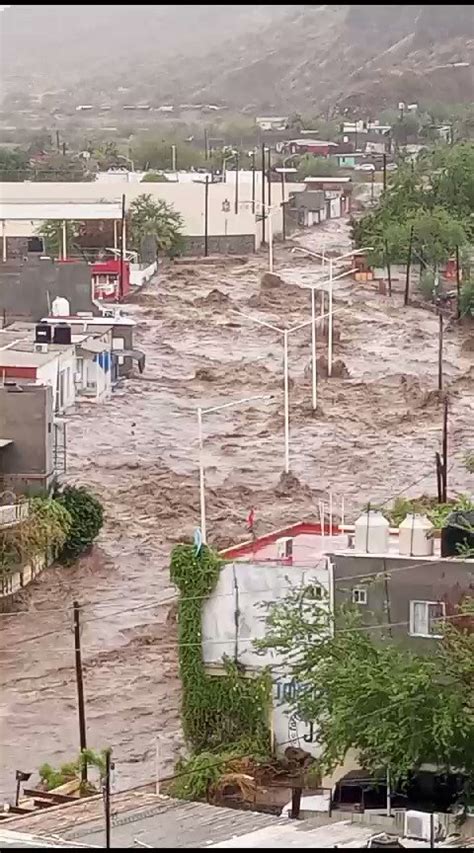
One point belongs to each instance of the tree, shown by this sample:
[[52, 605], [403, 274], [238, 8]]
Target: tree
[[56, 167], [52, 232], [13, 164], [310, 166], [87, 518], [155, 218], [154, 178], [397, 709]]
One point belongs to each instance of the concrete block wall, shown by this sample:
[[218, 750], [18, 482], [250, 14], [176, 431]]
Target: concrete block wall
[[232, 244], [27, 289], [26, 415]]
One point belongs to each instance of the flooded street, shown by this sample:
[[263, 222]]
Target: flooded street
[[376, 430]]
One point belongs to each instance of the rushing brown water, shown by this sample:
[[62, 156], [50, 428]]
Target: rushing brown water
[[375, 432]]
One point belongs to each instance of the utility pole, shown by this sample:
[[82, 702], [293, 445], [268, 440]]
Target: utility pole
[[389, 267], [407, 281], [372, 188], [106, 795], [80, 688], [384, 171], [206, 145], [236, 200], [269, 176], [58, 143], [263, 193], [252, 158], [445, 452], [122, 251], [440, 353], [458, 282], [206, 217]]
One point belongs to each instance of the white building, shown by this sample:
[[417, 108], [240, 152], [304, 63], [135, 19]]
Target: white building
[[256, 574]]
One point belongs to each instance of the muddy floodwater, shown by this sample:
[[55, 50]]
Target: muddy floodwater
[[374, 434]]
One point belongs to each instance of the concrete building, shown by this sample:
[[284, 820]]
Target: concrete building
[[271, 122], [407, 595], [32, 440], [317, 147], [28, 287], [233, 617], [54, 365], [337, 193], [122, 329], [228, 231]]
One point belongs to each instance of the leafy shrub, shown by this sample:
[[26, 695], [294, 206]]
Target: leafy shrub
[[87, 518]]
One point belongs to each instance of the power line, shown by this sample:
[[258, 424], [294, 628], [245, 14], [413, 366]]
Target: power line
[[177, 645]]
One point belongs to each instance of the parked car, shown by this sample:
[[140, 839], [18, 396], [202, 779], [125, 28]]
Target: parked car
[[392, 167], [365, 167]]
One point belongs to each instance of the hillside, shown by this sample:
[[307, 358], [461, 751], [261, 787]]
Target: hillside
[[250, 57]]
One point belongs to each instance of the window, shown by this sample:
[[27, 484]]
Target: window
[[359, 595], [426, 617]]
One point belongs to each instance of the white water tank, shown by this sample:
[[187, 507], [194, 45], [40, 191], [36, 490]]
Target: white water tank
[[415, 536], [60, 307], [371, 533]]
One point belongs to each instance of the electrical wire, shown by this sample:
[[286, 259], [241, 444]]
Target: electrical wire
[[172, 646]]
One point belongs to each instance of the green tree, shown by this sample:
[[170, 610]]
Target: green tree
[[87, 518], [52, 232], [13, 164], [310, 166], [155, 218], [56, 167], [397, 709], [467, 299], [154, 178]]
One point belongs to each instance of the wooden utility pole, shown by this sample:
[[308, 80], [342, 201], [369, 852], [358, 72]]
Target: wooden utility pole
[[407, 281], [206, 217], [106, 795], [440, 353], [445, 452], [389, 268], [439, 477], [263, 193], [80, 688], [458, 283], [384, 171]]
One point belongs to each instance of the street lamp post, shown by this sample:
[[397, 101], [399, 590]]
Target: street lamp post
[[268, 212], [331, 261], [284, 333], [202, 484]]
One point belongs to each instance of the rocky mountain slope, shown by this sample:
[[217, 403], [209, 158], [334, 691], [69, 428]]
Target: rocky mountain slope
[[254, 57]]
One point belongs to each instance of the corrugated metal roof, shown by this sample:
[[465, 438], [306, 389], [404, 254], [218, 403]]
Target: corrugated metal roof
[[155, 820]]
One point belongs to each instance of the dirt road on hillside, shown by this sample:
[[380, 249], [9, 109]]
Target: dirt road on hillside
[[375, 431]]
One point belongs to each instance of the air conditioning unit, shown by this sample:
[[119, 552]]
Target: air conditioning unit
[[418, 825], [41, 347], [285, 548]]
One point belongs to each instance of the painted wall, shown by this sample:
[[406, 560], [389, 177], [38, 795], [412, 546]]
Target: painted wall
[[234, 617], [187, 198], [59, 374], [26, 417], [27, 289]]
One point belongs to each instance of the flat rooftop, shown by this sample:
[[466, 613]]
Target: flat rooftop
[[310, 543], [20, 358]]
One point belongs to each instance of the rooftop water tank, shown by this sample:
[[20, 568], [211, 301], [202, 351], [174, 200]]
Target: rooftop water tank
[[415, 536], [60, 307], [371, 533]]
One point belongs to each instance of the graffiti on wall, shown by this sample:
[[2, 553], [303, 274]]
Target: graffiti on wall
[[289, 729]]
